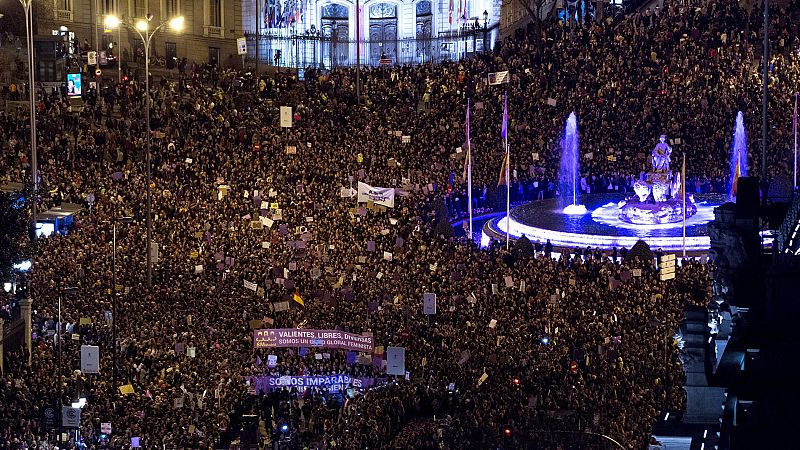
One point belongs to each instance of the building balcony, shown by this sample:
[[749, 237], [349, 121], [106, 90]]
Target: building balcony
[[63, 15], [213, 32]]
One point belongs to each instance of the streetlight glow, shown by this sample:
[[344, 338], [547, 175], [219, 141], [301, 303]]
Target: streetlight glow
[[142, 25], [176, 23], [111, 22]]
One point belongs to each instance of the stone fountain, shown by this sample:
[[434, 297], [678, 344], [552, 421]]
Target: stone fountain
[[658, 198]]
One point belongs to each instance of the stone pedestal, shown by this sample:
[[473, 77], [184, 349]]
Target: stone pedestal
[[657, 201], [26, 314]]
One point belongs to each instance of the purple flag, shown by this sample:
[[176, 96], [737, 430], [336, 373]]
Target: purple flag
[[504, 131]]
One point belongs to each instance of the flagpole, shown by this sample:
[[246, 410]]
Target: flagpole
[[508, 184], [683, 179], [795, 141], [469, 174]]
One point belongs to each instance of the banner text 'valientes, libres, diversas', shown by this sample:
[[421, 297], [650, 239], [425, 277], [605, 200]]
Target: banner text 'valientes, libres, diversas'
[[291, 337]]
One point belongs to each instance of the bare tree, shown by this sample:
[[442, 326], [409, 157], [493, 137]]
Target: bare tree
[[44, 16], [536, 11]]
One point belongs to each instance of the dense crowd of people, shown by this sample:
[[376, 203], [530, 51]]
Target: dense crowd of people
[[523, 342]]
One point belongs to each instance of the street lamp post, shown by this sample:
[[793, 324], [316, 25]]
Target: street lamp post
[[485, 28], [119, 55], [142, 28], [116, 220], [61, 293], [26, 6]]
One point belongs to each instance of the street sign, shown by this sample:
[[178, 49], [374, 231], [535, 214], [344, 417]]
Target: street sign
[[49, 416], [70, 417], [286, 117], [90, 359], [666, 267], [98, 72], [91, 58], [241, 45], [429, 303]]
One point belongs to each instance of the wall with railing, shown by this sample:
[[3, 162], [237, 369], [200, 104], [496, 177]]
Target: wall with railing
[[304, 50]]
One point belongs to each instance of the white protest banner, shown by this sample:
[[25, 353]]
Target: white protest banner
[[251, 286], [396, 361], [90, 359], [378, 195], [286, 117], [387, 256], [498, 78], [346, 192], [429, 303], [272, 360], [551, 101], [105, 427], [280, 306], [405, 139]]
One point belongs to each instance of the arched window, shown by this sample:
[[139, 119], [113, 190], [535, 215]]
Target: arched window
[[335, 27], [424, 30], [382, 32]]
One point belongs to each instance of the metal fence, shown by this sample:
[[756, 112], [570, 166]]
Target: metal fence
[[306, 50]]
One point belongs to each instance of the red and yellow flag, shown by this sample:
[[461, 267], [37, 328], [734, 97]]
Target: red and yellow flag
[[503, 171]]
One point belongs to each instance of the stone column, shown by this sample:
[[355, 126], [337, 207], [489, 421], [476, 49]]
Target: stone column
[[26, 314]]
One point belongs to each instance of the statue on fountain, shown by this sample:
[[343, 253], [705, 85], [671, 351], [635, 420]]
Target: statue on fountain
[[661, 154], [658, 197]]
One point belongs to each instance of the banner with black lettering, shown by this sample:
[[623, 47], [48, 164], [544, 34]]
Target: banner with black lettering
[[378, 195], [498, 77]]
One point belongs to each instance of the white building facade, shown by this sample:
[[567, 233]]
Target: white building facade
[[329, 33]]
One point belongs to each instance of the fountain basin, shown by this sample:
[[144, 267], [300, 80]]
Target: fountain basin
[[669, 211], [541, 220]]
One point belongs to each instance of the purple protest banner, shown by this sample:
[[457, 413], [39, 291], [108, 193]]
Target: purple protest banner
[[291, 337], [334, 383]]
